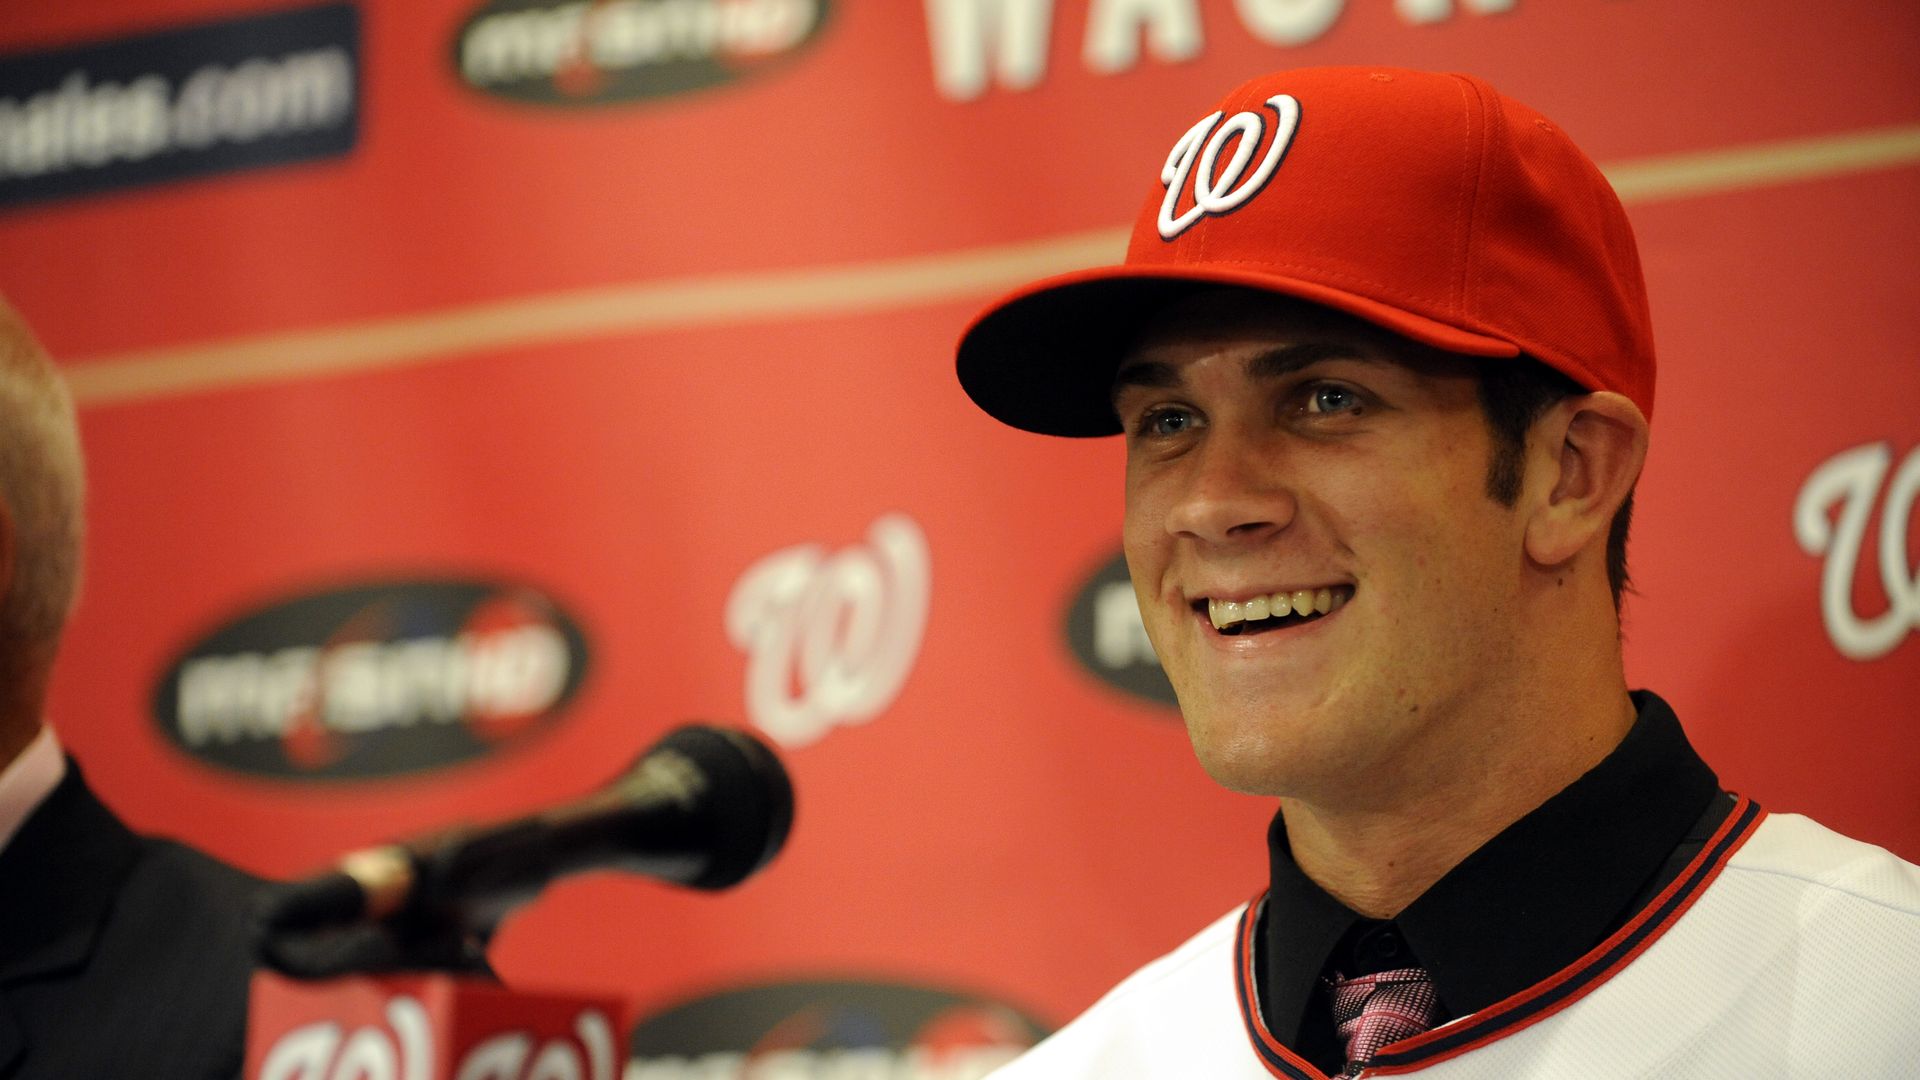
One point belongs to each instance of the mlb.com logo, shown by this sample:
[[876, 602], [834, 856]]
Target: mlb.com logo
[[569, 53], [375, 678], [1106, 635], [834, 1029]]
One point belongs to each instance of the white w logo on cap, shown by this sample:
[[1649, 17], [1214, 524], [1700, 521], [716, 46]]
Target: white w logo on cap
[[1219, 190]]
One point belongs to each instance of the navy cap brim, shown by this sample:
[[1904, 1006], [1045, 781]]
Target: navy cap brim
[[1043, 359], [1044, 362]]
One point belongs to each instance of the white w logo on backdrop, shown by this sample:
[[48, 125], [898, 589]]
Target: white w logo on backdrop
[[1218, 190], [830, 639], [1852, 478]]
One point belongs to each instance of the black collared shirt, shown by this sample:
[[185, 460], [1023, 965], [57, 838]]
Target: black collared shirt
[[1529, 902]]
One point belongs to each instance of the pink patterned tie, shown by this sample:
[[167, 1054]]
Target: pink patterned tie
[[1373, 1010]]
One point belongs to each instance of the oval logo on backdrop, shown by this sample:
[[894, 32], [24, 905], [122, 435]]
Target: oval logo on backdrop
[[574, 52], [830, 1029], [373, 680], [1107, 637]]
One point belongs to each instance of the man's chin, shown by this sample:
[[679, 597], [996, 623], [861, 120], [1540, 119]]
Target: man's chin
[[1247, 762], [1274, 751]]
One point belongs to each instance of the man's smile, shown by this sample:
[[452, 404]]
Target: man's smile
[[1260, 612]]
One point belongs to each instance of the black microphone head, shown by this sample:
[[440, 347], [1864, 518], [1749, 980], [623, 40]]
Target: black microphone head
[[747, 801]]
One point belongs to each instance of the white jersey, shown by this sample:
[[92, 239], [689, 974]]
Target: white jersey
[[1783, 950]]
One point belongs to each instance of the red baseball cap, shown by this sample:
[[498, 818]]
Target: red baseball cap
[[1428, 204]]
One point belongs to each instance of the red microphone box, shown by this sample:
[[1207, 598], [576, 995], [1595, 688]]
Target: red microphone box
[[426, 1027]]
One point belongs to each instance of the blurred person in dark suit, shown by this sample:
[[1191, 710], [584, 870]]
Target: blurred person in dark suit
[[121, 955]]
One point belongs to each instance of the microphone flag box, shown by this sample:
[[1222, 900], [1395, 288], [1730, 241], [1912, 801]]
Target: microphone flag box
[[426, 1027]]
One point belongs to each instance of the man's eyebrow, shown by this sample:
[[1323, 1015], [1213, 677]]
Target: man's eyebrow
[[1288, 359], [1277, 362], [1149, 373]]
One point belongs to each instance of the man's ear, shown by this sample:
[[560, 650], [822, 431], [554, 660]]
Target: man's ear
[[1585, 455]]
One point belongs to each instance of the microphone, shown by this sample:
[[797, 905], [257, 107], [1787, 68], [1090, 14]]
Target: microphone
[[705, 807]]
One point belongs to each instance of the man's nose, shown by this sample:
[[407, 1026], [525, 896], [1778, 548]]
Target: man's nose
[[1234, 494]]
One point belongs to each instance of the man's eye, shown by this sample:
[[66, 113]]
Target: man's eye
[[1328, 398], [1165, 422]]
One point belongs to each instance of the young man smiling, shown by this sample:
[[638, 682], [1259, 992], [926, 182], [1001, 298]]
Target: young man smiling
[[1381, 357]]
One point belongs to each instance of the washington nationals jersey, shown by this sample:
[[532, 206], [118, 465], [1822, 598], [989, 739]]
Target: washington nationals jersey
[[1783, 950]]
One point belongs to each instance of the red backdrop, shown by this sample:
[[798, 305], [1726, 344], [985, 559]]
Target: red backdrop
[[616, 347]]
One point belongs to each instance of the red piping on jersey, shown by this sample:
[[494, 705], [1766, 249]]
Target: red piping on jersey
[[1513, 1014], [1265, 1046]]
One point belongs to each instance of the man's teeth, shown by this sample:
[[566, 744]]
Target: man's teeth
[[1225, 613]]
